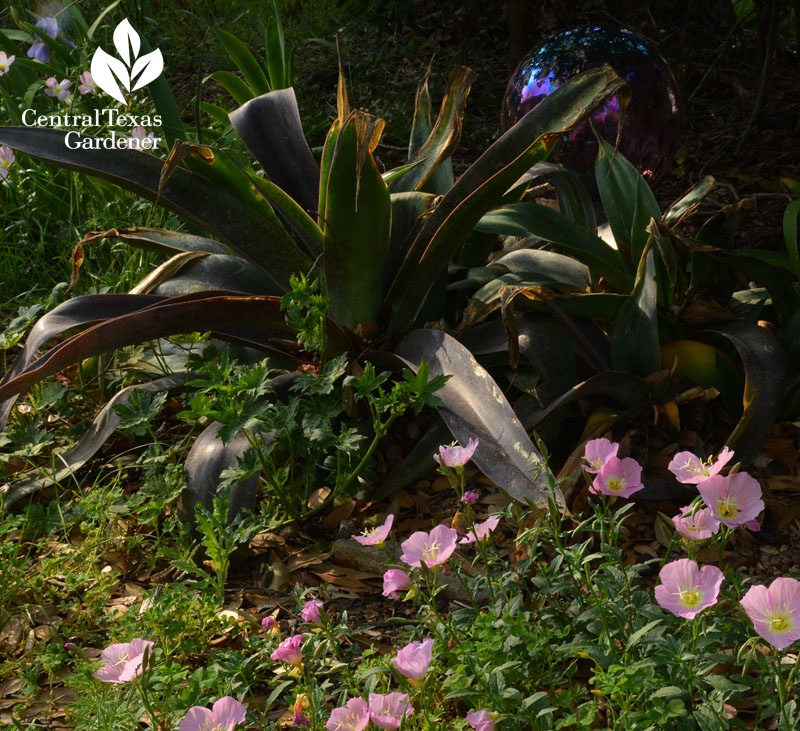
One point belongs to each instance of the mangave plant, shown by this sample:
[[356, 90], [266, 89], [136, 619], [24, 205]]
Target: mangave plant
[[382, 244], [656, 300]]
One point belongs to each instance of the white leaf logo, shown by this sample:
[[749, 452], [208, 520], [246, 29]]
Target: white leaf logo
[[113, 75]]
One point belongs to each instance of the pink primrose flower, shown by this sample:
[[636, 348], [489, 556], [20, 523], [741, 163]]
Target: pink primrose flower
[[59, 90], [688, 468], [289, 651], [456, 456], [414, 659], [686, 590], [123, 661], [223, 716], [376, 536], [481, 720], [597, 451], [6, 160], [395, 580], [87, 84], [698, 526], [470, 496], [775, 611], [734, 500], [354, 716], [5, 62], [481, 530], [311, 612], [620, 477], [388, 711], [433, 548], [140, 139]]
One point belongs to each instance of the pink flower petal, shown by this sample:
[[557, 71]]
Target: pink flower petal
[[376, 536], [432, 548], [456, 456], [414, 659], [733, 500], [597, 451], [686, 590], [620, 477], [775, 611]]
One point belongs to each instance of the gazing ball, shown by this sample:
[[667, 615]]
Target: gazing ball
[[653, 122]]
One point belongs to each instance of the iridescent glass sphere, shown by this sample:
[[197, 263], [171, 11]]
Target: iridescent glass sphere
[[653, 122]]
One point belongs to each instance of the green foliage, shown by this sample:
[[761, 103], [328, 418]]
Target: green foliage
[[221, 537]]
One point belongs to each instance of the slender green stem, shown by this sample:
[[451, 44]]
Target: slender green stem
[[784, 687]]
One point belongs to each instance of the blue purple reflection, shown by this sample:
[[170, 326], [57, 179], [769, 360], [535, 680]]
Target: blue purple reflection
[[653, 122]]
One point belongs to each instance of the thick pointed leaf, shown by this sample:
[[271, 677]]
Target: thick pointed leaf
[[206, 272], [542, 222], [408, 211], [164, 271], [73, 313], [245, 61], [270, 127], [634, 343], [65, 464], [225, 174], [443, 137], [765, 365], [627, 199], [476, 407], [240, 91], [357, 224], [485, 182], [159, 240], [559, 268], [248, 319], [257, 239], [278, 65], [574, 200], [306, 230]]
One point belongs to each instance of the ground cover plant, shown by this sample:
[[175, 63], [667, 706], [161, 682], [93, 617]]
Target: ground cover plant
[[260, 543]]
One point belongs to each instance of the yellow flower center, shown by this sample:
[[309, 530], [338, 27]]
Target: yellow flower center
[[431, 550], [350, 721], [780, 621], [616, 484], [690, 597], [727, 508]]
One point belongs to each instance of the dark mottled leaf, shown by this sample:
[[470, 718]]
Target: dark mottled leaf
[[65, 464], [270, 127], [765, 365], [476, 407], [634, 342], [485, 182]]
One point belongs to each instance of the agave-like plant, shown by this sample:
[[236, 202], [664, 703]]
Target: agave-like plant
[[658, 306], [382, 242]]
